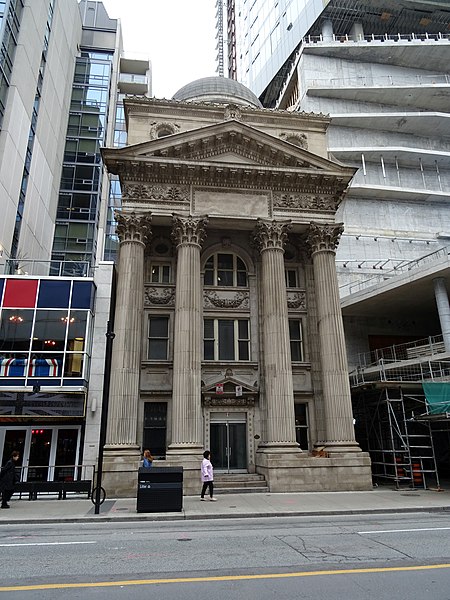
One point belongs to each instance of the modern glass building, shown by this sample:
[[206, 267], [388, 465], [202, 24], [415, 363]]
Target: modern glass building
[[63, 79]]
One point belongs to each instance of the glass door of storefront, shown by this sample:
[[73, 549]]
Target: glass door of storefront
[[46, 453], [229, 446]]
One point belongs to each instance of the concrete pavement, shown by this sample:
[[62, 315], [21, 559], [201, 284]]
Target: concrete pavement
[[379, 500]]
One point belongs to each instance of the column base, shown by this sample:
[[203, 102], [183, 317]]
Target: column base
[[298, 472], [120, 471], [332, 447], [190, 458]]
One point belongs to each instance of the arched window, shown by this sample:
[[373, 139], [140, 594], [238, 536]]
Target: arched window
[[225, 269]]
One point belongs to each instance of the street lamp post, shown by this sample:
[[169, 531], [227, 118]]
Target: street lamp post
[[97, 493]]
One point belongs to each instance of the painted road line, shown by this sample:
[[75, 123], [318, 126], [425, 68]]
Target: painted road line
[[64, 586], [403, 530], [45, 544]]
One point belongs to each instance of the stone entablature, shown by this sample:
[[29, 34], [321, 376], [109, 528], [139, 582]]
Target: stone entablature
[[166, 194], [299, 202]]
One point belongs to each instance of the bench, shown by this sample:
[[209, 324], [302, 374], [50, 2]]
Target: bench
[[33, 488]]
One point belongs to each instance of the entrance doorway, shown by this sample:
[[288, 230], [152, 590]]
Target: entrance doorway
[[47, 453], [229, 445]]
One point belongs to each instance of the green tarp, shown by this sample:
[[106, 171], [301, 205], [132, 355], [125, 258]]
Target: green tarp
[[437, 396]]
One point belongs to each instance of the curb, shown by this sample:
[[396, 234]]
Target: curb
[[184, 517]]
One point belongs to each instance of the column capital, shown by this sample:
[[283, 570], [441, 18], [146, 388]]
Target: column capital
[[189, 230], [133, 227], [324, 236], [271, 235]]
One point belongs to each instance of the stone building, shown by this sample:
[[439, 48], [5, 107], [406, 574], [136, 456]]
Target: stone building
[[228, 330]]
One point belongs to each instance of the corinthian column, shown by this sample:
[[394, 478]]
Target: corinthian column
[[277, 370], [188, 234], [340, 434], [133, 231]]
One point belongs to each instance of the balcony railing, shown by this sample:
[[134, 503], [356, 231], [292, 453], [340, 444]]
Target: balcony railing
[[56, 268], [397, 37]]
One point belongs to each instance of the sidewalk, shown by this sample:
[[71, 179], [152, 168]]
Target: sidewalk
[[379, 500]]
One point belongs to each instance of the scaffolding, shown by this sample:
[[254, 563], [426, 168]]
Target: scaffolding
[[393, 426]]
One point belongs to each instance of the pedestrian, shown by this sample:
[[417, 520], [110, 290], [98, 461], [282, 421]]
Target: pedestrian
[[148, 459], [9, 476], [207, 476]]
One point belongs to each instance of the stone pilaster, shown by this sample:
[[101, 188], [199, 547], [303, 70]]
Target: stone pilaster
[[279, 448], [340, 435], [186, 446], [122, 454]]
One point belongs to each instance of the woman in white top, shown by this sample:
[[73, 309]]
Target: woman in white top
[[207, 476]]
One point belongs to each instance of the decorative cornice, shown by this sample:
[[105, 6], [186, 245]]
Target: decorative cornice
[[132, 227], [189, 230], [155, 193], [212, 299], [271, 235], [305, 202], [159, 296], [324, 237]]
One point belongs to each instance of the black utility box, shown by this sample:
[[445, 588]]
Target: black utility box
[[160, 489]]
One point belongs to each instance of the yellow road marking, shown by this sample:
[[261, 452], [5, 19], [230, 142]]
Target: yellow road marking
[[59, 586]]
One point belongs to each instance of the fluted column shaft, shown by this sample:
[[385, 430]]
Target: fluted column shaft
[[277, 369], [441, 296], [133, 231], [340, 434], [188, 233]]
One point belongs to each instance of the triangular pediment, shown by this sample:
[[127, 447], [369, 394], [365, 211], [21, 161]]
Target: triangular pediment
[[229, 142], [228, 386]]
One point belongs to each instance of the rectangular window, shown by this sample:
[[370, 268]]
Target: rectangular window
[[301, 425], [295, 335], [160, 273], [158, 338], [290, 276], [155, 428], [226, 339]]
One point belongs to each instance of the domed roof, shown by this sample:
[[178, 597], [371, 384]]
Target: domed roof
[[219, 90]]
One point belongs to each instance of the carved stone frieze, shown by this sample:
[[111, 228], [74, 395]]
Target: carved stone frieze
[[271, 235], [133, 227], [324, 236], [189, 230], [296, 300], [225, 299], [305, 202], [208, 401], [159, 296], [156, 193]]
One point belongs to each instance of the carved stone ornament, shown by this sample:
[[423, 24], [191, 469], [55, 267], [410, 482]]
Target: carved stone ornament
[[132, 227], [298, 139], [189, 230], [159, 130], [208, 401], [324, 236], [296, 300], [159, 296], [305, 202], [232, 111], [155, 193], [214, 299], [271, 235]]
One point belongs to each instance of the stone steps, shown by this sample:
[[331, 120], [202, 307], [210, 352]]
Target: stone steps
[[240, 483]]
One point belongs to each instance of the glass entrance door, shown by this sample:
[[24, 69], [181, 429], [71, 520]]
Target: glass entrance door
[[229, 446]]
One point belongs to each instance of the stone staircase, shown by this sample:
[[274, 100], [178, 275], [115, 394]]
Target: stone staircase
[[240, 483]]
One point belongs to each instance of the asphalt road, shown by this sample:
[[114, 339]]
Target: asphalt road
[[353, 557]]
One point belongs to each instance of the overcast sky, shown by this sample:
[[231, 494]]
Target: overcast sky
[[178, 36]]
